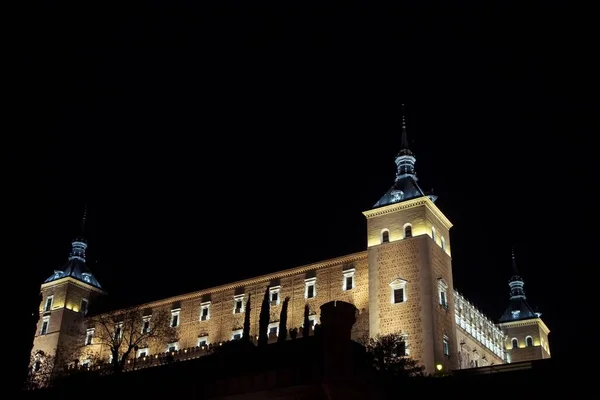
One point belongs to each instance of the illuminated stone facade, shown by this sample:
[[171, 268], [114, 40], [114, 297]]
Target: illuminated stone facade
[[402, 283]]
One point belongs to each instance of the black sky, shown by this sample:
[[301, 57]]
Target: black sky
[[217, 142]]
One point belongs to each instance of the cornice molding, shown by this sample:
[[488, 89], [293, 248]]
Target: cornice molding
[[76, 282], [260, 279], [420, 201], [526, 322]]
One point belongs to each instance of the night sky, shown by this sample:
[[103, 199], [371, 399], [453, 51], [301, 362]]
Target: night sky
[[216, 143]]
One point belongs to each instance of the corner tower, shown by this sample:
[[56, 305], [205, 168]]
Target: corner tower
[[66, 296], [410, 270], [526, 333]]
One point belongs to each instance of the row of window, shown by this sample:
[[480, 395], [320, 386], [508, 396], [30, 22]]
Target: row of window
[[528, 342], [310, 291], [236, 334], [385, 235], [83, 307]]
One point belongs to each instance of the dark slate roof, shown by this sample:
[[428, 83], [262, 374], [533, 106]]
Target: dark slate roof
[[517, 310], [77, 269], [407, 187]]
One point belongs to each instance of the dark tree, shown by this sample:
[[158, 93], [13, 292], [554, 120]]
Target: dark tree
[[123, 331], [263, 322], [389, 356], [283, 321], [246, 331], [306, 326]]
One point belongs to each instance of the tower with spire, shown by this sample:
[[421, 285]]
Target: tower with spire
[[66, 296], [410, 270], [526, 333]]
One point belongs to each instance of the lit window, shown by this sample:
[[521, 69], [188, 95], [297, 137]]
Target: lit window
[[84, 306], [205, 311], [143, 352], [515, 343], [405, 343], [407, 231], [348, 279], [118, 331], [203, 341], [529, 341], [274, 295], [175, 317], [48, 305], [89, 336], [310, 288], [443, 243], [173, 347], [146, 324], [313, 320], [237, 334], [398, 291], [446, 345], [238, 304], [385, 236], [45, 323], [433, 234], [443, 293], [273, 329]]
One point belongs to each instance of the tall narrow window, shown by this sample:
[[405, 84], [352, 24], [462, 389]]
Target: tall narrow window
[[89, 336], [398, 287], [118, 331], [205, 311], [84, 306], [273, 329], [515, 343], [238, 304], [443, 293], [529, 341], [274, 295], [48, 304], [45, 324], [385, 236], [433, 234], [348, 279], [310, 288], [446, 346], [408, 231], [146, 324], [443, 243], [175, 317]]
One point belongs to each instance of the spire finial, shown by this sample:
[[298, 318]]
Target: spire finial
[[83, 220], [404, 136], [514, 262]]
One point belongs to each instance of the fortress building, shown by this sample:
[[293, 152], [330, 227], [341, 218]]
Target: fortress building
[[401, 283]]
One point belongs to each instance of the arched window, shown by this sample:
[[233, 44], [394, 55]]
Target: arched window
[[443, 243], [515, 343], [385, 236], [407, 230], [529, 341], [433, 233]]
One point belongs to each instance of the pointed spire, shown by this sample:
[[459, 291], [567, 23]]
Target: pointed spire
[[404, 143], [82, 233], [405, 160], [516, 282], [79, 244], [514, 263]]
